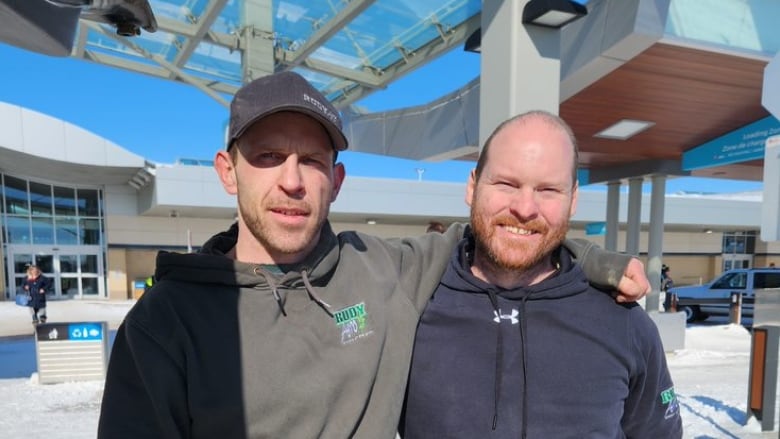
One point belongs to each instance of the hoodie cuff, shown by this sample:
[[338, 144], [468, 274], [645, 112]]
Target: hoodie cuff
[[603, 268]]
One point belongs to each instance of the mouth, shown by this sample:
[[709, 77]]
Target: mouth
[[518, 230], [291, 216], [289, 211]]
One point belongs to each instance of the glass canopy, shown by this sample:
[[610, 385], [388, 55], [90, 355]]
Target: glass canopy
[[345, 48], [350, 48]]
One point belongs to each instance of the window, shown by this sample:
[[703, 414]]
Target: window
[[64, 201], [88, 202], [767, 280], [15, 191], [40, 199], [730, 281], [43, 214], [739, 242]]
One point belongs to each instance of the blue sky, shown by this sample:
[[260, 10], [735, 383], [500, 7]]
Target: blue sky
[[164, 120]]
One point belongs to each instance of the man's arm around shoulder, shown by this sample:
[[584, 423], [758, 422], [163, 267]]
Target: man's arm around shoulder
[[610, 271]]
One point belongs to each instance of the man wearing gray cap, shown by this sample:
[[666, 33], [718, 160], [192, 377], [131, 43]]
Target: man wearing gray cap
[[279, 327]]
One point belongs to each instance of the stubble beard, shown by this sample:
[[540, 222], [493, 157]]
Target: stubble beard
[[275, 239], [503, 256]]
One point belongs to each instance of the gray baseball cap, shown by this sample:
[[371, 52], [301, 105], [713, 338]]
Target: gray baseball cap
[[284, 91]]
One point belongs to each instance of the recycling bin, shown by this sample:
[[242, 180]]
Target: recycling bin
[[71, 351]]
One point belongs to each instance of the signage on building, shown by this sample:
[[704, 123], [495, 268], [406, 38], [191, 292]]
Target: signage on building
[[744, 144], [599, 228]]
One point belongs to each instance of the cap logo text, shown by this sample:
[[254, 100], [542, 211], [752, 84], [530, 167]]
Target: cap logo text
[[320, 106]]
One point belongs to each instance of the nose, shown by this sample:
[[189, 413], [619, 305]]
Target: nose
[[524, 204], [291, 178]]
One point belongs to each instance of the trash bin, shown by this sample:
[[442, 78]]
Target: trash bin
[[139, 286], [72, 351]]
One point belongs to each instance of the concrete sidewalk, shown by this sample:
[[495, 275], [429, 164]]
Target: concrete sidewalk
[[15, 320]]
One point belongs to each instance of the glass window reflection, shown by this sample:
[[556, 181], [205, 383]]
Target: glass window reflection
[[56, 219], [64, 201], [67, 231], [40, 199], [88, 202], [90, 231], [69, 286], [45, 263], [18, 229], [15, 191], [89, 286], [43, 230], [89, 264], [69, 264], [21, 262]]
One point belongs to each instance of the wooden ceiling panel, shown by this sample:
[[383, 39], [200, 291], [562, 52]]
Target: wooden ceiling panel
[[692, 96]]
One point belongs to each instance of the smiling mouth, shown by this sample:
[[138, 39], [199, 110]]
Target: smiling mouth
[[518, 230]]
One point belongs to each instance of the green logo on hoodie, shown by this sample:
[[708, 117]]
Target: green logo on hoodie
[[352, 322]]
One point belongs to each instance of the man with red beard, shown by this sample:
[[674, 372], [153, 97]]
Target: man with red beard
[[279, 327], [515, 343]]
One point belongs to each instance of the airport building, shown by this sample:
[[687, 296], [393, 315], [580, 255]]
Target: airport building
[[93, 215]]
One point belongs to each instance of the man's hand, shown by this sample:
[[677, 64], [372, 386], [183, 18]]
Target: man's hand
[[634, 284]]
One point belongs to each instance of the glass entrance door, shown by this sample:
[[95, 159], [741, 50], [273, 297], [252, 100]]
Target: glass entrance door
[[731, 261], [76, 271]]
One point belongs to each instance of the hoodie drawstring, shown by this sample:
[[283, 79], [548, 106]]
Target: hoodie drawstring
[[274, 290], [313, 294], [500, 361], [306, 283], [523, 333], [499, 358]]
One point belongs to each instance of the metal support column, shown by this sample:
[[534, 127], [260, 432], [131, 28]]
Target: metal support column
[[613, 208], [655, 241], [634, 215], [257, 44], [520, 65]]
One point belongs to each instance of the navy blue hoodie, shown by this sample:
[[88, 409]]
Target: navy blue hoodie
[[559, 359]]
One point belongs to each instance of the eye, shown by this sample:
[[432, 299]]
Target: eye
[[315, 161], [265, 159], [504, 184]]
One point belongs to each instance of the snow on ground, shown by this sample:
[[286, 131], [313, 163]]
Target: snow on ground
[[710, 376]]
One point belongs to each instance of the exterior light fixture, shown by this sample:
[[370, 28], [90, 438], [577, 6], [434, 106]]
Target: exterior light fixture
[[474, 42], [624, 129], [552, 13]]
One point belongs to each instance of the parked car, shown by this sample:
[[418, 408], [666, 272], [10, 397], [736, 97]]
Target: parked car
[[701, 301]]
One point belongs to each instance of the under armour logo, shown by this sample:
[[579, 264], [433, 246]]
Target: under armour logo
[[513, 317]]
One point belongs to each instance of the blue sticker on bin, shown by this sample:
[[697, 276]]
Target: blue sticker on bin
[[85, 332]]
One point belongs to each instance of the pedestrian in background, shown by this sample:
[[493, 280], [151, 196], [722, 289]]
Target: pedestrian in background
[[666, 278], [36, 285], [435, 226]]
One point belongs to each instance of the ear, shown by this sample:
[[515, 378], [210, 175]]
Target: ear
[[574, 193], [471, 187], [338, 179], [226, 171]]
